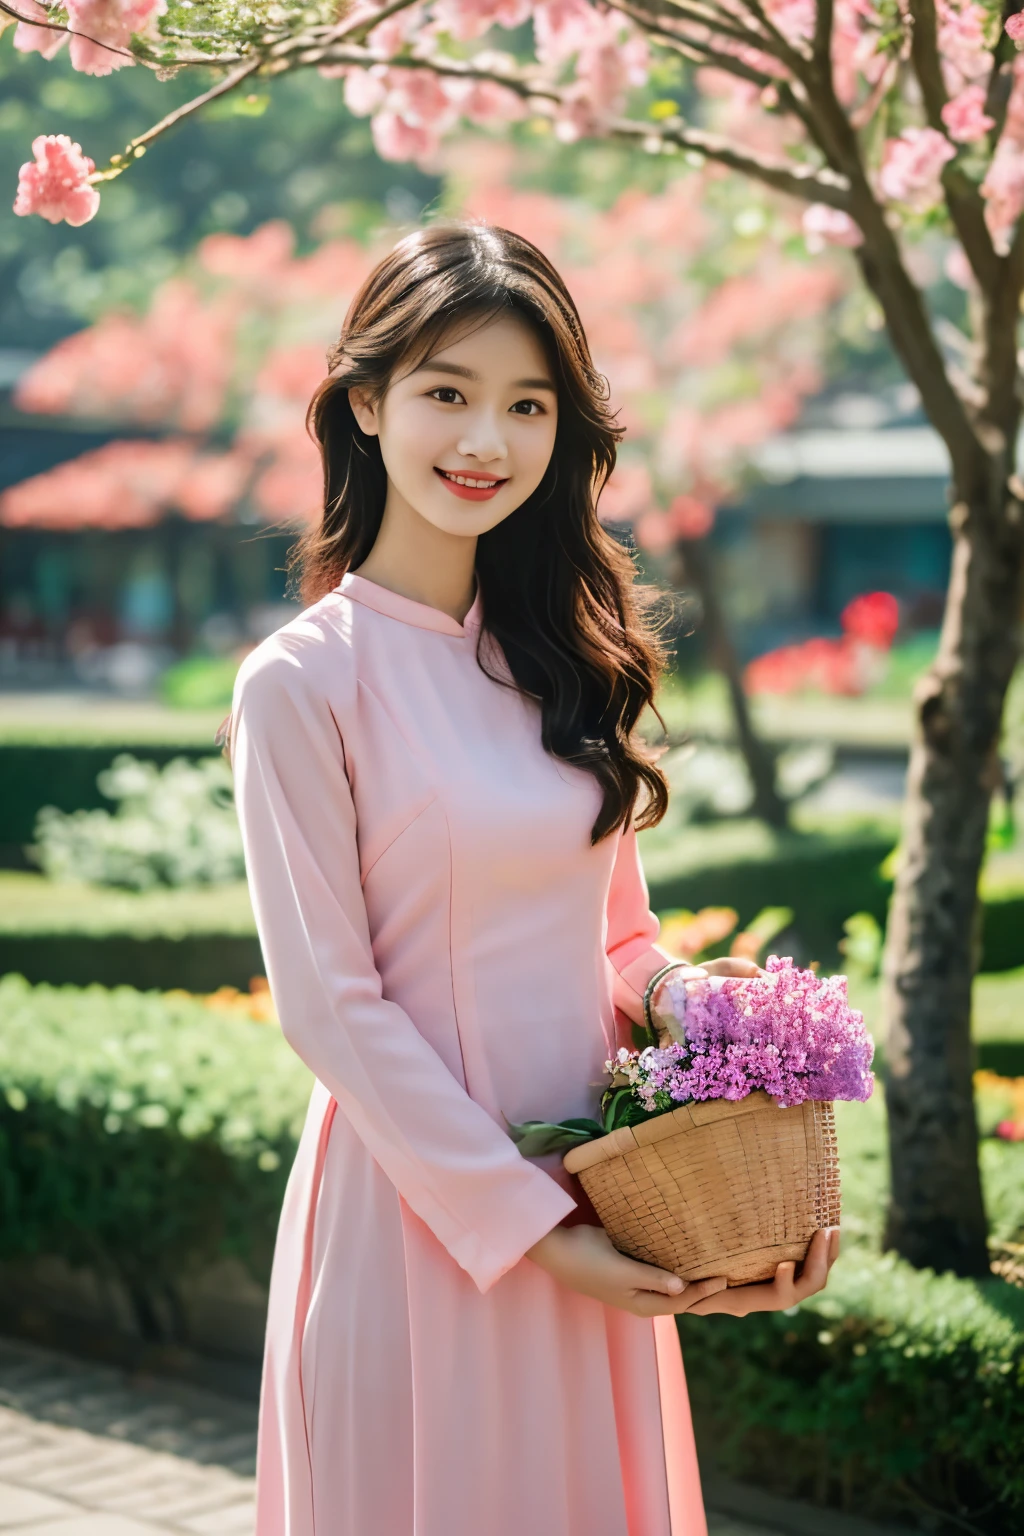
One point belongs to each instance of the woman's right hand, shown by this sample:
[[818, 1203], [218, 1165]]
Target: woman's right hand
[[584, 1259]]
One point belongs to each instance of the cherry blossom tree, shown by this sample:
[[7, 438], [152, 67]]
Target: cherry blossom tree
[[883, 117]]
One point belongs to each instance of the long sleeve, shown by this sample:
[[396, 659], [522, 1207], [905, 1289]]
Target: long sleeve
[[453, 1165], [632, 930]]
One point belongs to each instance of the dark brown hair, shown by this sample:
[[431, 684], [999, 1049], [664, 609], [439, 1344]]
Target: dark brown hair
[[557, 590]]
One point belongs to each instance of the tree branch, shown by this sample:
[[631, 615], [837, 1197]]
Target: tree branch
[[966, 207], [136, 148], [821, 43], [807, 182], [697, 15]]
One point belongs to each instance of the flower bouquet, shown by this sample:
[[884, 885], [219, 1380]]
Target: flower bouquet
[[716, 1153]]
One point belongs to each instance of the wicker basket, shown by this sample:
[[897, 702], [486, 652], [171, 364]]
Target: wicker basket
[[720, 1188]]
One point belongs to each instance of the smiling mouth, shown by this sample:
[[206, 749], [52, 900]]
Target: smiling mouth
[[480, 484]]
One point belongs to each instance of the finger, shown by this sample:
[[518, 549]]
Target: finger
[[814, 1271], [648, 1277], [700, 1290], [649, 1304]]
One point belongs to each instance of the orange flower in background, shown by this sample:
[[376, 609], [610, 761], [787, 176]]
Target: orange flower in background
[[688, 934]]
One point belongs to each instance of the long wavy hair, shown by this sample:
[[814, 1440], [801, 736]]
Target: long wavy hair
[[557, 589]]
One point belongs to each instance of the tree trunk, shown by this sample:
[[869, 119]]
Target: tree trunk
[[768, 804], [936, 1217]]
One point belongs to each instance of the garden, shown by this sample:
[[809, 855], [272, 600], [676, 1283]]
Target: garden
[[794, 233]]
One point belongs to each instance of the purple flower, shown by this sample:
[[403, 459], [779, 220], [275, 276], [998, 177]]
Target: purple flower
[[790, 1032]]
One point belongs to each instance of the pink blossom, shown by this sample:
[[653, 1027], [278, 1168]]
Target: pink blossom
[[794, 18], [102, 31], [365, 89], [469, 19], [965, 115], [394, 138], [1015, 27], [654, 532], [561, 28], [691, 518], [30, 39], [823, 226], [627, 494], [912, 165], [962, 47], [56, 184], [484, 101], [121, 485], [1003, 190]]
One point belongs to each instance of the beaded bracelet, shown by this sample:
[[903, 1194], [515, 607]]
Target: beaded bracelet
[[673, 965]]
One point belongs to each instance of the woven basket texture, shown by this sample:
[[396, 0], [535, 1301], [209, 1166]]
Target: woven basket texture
[[720, 1188]]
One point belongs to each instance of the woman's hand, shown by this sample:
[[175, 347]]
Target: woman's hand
[[584, 1260], [662, 1016], [785, 1290]]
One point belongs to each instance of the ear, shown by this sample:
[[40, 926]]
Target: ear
[[365, 412]]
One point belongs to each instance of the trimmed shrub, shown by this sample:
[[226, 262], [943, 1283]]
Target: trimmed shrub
[[892, 1392], [173, 826], [142, 1134], [63, 773]]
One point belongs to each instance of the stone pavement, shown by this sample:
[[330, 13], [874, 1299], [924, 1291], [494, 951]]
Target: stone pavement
[[86, 1450]]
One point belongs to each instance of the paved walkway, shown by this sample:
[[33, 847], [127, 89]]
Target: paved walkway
[[87, 1451]]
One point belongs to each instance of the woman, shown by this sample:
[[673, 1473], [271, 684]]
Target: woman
[[436, 773]]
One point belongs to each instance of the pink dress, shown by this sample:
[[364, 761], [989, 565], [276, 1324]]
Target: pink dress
[[445, 949]]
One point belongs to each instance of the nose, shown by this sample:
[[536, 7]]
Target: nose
[[482, 438]]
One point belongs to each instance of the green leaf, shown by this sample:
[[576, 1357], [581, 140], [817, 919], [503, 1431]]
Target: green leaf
[[536, 1138]]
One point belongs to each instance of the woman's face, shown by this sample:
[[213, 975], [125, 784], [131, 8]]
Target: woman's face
[[467, 435]]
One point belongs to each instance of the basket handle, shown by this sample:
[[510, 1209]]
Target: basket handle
[[649, 990]]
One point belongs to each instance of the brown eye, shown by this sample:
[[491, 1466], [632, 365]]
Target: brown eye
[[528, 408], [446, 395]]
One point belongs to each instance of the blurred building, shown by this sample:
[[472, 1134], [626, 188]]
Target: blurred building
[[110, 606], [835, 510]]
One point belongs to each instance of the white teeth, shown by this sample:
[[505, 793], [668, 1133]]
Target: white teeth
[[474, 485]]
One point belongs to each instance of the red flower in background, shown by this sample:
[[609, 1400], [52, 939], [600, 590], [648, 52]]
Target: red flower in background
[[842, 666], [874, 617]]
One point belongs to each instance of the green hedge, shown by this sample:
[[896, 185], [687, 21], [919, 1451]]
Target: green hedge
[[890, 1393], [146, 1135], [141, 1134], [823, 879], [33, 774], [198, 938]]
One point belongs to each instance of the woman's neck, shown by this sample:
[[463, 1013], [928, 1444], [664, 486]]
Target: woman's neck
[[417, 560]]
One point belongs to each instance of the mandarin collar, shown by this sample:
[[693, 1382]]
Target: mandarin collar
[[372, 595]]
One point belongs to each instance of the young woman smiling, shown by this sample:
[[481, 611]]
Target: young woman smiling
[[438, 779]]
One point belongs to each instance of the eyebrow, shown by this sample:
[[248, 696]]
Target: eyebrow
[[432, 366]]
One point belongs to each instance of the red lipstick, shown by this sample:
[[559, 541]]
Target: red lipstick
[[484, 488]]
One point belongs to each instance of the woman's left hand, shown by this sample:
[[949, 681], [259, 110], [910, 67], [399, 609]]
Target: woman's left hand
[[782, 1292]]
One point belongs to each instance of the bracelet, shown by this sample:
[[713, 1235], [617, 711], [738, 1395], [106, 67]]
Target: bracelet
[[673, 965]]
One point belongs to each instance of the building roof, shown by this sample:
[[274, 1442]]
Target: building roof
[[886, 474]]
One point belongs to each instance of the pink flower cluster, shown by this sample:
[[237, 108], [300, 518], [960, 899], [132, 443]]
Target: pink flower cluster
[[56, 183], [100, 31], [789, 1033]]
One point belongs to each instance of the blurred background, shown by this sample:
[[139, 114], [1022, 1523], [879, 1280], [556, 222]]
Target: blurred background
[[778, 484]]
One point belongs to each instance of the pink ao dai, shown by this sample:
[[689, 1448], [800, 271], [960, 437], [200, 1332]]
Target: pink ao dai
[[446, 951]]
